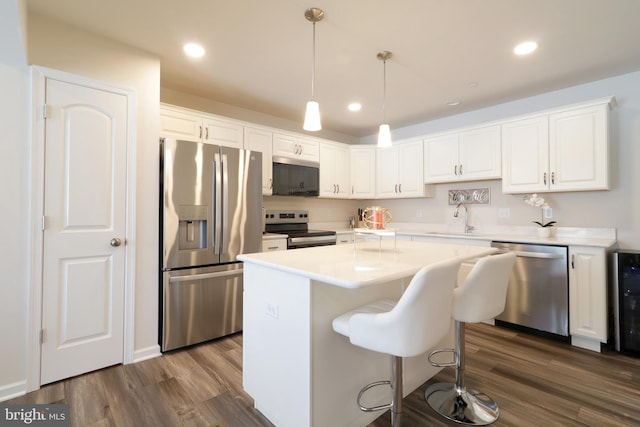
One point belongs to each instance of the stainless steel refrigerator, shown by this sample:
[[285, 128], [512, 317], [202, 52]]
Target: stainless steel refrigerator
[[211, 211]]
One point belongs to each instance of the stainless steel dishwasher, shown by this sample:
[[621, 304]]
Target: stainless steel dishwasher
[[538, 292]]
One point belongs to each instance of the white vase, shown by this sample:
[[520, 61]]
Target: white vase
[[543, 231]]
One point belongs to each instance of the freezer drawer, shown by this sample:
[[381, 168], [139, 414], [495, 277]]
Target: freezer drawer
[[200, 304]]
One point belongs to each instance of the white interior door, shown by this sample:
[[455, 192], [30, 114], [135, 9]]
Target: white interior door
[[84, 230]]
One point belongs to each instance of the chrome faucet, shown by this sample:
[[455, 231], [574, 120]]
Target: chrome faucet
[[467, 227]]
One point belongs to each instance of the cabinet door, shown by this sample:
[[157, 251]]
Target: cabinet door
[[296, 148], [223, 133], [261, 140], [386, 172], [309, 149], [578, 142], [334, 171], [363, 172], [441, 158], [180, 125], [587, 293], [328, 187], [410, 169], [479, 154], [525, 155]]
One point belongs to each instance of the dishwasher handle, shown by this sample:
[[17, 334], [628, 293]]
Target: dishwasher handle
[[528, 254]]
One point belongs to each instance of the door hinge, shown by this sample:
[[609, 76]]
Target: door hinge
[[42, 336], [45, 111], [44, 219]]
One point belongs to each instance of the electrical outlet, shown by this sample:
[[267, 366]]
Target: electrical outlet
[[548, 213], [504, 212], [272, 310]]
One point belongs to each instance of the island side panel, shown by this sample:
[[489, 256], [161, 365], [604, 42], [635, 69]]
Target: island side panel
[[277, 344]]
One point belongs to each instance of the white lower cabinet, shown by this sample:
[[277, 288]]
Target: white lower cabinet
[[271, 245], [344, 237], [587, 296]]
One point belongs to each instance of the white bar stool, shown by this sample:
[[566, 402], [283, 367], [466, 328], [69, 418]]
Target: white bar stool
[[480, 297], [409, 327]]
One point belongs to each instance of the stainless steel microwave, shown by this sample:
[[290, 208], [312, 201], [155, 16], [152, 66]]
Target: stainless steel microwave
[[293, 177]]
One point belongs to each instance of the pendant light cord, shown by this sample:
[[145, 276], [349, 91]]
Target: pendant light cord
[[313, 65], [384, 91]]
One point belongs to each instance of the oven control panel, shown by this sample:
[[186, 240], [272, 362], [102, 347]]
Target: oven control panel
[[286, 217]]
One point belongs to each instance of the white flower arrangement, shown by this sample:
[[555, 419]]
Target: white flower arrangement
[[538, 202]]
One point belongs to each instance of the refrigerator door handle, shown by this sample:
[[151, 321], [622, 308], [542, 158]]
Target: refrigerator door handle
[[224, 226], [217, 203], [203, 276]]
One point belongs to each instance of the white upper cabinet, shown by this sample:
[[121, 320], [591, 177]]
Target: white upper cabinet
[[191, 125], [179, 124], [467, 155], [296, 147], [363, 172], [399, 171], [334, 170], [566, 150], [220, 132], [261, 140]]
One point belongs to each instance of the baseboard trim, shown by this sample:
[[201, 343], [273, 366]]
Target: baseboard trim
[[146, 353], [11, 391]]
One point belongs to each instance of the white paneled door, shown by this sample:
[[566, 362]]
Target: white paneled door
[[84, 230]]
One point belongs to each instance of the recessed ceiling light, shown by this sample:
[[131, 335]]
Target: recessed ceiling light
[[525, 48], [355, 106], [194, 50], [453, 103]]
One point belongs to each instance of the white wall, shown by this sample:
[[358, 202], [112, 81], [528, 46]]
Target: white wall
[[57, 46], [14, 226]]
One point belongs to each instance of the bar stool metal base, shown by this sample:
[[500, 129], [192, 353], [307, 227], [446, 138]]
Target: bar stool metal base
[[462, 406]]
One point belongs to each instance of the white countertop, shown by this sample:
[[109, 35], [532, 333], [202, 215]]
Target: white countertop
[[367, 263], [566, 236]]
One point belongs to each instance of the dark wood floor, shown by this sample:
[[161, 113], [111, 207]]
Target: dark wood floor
[[536, 381]]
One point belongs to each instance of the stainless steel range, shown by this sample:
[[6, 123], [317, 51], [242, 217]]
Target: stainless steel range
[[295, 224]]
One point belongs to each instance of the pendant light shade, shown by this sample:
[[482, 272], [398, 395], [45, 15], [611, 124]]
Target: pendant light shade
[[312, 115], [384, 134]]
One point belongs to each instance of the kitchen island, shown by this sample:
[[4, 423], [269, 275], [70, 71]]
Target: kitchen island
[[296, 368]]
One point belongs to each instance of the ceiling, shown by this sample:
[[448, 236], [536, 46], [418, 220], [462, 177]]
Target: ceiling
[[259, 53]]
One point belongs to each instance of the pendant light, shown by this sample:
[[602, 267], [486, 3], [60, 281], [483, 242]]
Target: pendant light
[[384, 134], [312, 115]]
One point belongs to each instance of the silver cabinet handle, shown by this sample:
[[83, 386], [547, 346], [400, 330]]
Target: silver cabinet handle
[[271, 183], [200, 133], [455, 170], [395, 190], [573, 261], [553, 178], [460, 169], [399, 188], [115, 242], [544, 178], [206, 133]]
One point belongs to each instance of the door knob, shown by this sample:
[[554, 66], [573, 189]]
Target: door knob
[[115, 242]]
